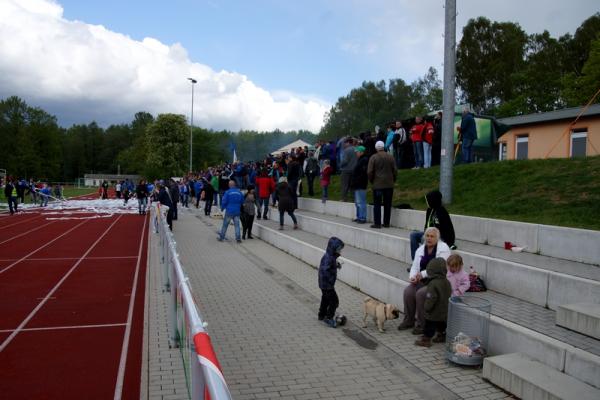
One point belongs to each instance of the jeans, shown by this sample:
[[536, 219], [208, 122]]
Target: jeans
[[184, 199], [208, 206], [329, 303], [398, 153], [290, 213], [415, 242], [294, 186], [236, 224], [325, 193], [263, 204], [382, 196], [216, 199], [346, 178], [426, 155], [12, 204], [142, 203], [360, 200], [467, 150], [418, 151], [44, 201], [310, 179]]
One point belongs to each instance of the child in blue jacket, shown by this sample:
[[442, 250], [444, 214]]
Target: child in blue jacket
[[327, 277]]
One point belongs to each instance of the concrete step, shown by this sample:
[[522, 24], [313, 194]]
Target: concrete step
[[530, 283], [527, 379], [582, 317], [578, 245], [364, 270]]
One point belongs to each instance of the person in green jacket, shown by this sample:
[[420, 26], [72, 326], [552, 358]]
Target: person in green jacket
[[436, 303]]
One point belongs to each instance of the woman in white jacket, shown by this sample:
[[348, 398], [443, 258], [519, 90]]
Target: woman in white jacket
[[414, 294]]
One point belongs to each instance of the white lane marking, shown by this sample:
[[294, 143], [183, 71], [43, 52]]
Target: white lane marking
[[71, 258], [54, 289], [40, 248], [20, 222], [29, 231], [125, 347], [52, 328]]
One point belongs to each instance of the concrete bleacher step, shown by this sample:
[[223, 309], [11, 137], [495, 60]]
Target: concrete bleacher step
[[579, 245], [581, 317], [529, 379], [383, 278], [533, 283]]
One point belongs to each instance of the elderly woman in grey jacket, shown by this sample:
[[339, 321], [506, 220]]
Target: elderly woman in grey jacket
[[414, 294], [285, 201]]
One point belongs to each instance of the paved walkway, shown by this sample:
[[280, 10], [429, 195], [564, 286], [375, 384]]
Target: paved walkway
[[261, 305]]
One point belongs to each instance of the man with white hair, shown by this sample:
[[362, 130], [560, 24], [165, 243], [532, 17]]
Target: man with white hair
[[468, 132], [382, 175]]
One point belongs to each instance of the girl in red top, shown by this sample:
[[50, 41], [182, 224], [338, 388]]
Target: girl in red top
[[325, 179], [265, 186]]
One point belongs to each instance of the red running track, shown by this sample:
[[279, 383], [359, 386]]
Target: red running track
[[72, 307]]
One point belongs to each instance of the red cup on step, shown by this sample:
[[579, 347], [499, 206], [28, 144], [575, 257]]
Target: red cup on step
[[508, 245]]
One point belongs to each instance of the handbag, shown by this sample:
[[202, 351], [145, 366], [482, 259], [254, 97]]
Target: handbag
[[476, 283]]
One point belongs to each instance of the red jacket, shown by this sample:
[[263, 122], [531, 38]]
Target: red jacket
[[265, 186], [428, 133], [416, 132], [326, 175]]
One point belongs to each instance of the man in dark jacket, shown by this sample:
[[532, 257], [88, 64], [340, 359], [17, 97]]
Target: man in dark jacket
[[359, 183], [438, 217], [382, 175], [347, 164], [327, 277], [312, 171], [436, 303], [164, 198], [10, 192], [174, 191], [468, 133], [294, 174]]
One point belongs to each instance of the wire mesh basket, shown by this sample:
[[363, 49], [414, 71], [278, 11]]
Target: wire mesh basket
[[468, 330]]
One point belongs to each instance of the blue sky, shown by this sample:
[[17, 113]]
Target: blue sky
[[261, 64]]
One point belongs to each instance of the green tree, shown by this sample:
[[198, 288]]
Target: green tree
[[426, 94], [580, 90], [166, 146]]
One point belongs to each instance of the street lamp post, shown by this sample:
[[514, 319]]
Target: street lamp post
[[192, 120]]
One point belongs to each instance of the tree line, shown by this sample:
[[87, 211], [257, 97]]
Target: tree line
[[500, 71]]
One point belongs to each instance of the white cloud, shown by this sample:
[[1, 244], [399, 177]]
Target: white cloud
[[82, 72]]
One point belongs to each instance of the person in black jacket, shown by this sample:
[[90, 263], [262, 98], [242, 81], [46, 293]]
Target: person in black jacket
[[359, 184], [437, 216], [174, 191], [294, 174], [328, 268], [164, 197], [209, 194], [141, 192]]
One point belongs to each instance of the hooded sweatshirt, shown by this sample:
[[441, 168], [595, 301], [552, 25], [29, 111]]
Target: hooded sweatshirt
[[437, 216], [329, 266], [438, 291]]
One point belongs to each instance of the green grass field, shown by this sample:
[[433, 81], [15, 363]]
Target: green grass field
[[563, 192], [68, 191]]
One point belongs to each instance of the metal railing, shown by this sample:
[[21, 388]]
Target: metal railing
[[186, 328]]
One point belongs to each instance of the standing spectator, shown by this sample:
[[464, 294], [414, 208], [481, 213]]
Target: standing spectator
[[33, 192], [231, 205], [436, 216], [21, 187], [468, 132], [265, 188], [104, 190], [209, 196], [326, 172], [141, 192], [214, 182], [46, 191], [312, 171], [294, 174], [198, 187], [10, 192], [416, 137], [223, 185], [427, 143], [347, 164], [118, 190], [360, 181], [174, 191], [285, 201], [164, 197], [398, 142], [58, 191], [382, 175], [125, 193], [248, 212], [436, 147], [183, 193]]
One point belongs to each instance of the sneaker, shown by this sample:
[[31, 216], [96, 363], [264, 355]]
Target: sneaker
[[295, 226], [280, 227], [330, 322], [220, 239], [250, 237], [386, 225], [258, 217], [405, 325], [360, 221], [239, 241], [417, 330], [439, 338], [375, 226], [320, 318], [423, 342]]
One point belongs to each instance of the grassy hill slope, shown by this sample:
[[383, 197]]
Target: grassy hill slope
[[562, 192]]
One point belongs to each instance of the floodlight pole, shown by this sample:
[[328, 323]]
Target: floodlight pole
[[447, 153], [193, 81]]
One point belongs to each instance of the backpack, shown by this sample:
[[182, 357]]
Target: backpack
[[476, 283]]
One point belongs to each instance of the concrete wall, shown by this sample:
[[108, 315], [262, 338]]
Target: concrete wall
[[504, 336], [579, 245]]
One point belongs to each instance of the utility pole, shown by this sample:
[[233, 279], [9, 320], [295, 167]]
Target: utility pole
[[447, 155], [192, 121]]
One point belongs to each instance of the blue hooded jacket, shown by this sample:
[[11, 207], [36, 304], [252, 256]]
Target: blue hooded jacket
[[232, 202], [329, 266]]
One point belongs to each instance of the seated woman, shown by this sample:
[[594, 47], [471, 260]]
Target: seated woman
[[437, 216], [414, 294]]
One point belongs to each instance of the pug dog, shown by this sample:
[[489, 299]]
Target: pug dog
[[380, 312]]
